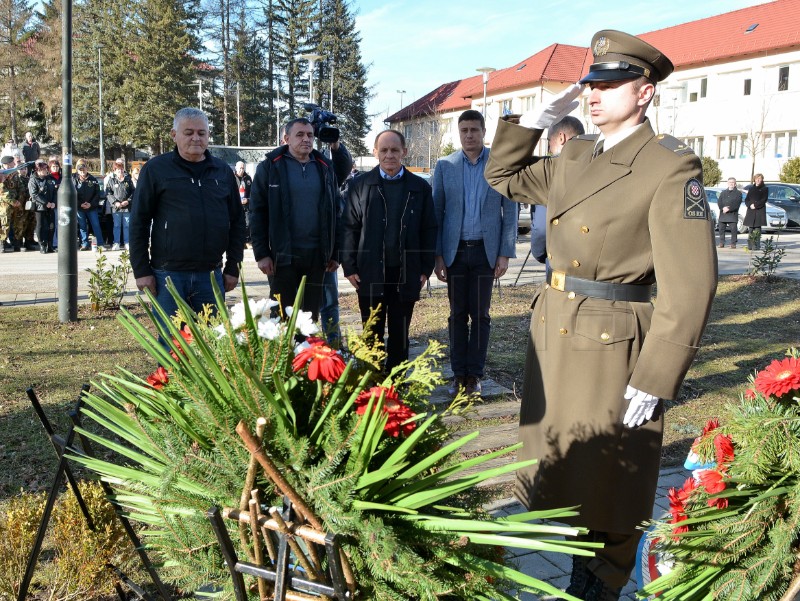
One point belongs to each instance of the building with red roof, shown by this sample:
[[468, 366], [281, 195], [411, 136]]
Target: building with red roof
[[733, 95]]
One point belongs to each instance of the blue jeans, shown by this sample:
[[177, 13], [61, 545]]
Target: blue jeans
[[86, 218], [329, 311], [193, 286], [122, 221]]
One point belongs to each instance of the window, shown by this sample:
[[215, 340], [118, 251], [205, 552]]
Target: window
[[783, 79], [506, 107], [407, 131], [747, 86], [693, 97], [732, 147], [528, 103], [784, 146], [703, 87], [434, 128], [695, 144]]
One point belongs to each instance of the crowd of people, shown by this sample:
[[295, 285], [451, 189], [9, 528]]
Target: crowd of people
[[28, 201]]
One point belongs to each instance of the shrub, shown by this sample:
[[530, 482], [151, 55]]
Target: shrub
[[107, 284], [711, 172], [790, 172], [74, 566]]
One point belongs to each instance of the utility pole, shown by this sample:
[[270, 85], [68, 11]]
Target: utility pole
[[67, 208]]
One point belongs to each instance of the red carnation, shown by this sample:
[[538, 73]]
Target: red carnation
[[158, 378], [724, 448], [779, 377], [713, 481], [398, 411], [323, 362]]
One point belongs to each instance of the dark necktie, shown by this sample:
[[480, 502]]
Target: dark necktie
[[598, 150]]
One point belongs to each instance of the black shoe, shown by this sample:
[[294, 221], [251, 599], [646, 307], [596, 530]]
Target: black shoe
[[85, 248], [601, 591], [473, 386], [456, 385], [581, 578]]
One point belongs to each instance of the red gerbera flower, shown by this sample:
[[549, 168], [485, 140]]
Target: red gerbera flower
[[323, 362], [713, 481], [398, 411], [678, 529], [718, 503], [779, 377], [158, 378], [724, 447], [711, 424]]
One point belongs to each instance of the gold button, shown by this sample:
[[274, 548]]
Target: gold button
[[562, 331], [542, 318], [555, 221], [584, 229], [604, 336], [576, 263], [549, 256], [571, 295], [546, 286]]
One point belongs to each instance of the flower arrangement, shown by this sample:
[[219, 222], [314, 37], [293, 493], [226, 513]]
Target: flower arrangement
[[366, 450], [734, 527]]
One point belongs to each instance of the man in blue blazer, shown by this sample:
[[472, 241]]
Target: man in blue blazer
[[477, 235]]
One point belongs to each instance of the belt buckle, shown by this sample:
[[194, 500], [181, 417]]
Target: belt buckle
[[557, 280]]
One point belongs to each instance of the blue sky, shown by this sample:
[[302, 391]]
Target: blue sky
[[415, 45]]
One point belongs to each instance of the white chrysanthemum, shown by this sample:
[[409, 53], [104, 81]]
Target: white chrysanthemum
[[305, 324], [269, 328], [220, 331], [257, 309]]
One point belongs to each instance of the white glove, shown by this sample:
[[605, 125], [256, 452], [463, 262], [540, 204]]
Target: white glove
[[641, 407], [558, 108]]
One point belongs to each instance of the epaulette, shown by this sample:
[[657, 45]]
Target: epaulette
[[674, 145], [587, 137]]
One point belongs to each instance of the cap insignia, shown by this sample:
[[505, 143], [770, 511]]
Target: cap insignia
[[601, 46]]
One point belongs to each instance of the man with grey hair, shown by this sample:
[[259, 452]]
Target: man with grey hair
[[186, 214]]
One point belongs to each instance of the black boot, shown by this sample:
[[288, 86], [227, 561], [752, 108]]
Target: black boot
[[602, 591], [581, 578]]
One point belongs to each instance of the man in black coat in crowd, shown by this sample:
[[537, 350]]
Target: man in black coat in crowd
[[728, 202]]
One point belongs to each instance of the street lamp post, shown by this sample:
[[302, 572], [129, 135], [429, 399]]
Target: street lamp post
[[238, 118], [485, 71], [100, 106], [401, 92], [311, 58]]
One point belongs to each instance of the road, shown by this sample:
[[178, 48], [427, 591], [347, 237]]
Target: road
[[31, 277]]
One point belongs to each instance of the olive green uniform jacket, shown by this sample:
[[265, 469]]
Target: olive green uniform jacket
[[633, 214]]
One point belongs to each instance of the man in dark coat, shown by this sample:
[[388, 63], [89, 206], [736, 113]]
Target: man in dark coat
[[389, 242], [729, 202], [756, 216], [621, 209]]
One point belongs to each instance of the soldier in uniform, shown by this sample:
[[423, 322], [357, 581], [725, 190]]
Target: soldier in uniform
[[6, 202], [622, 208]]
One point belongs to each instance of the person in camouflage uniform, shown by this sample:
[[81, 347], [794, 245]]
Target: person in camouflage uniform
[[16, 188], [5, 203]]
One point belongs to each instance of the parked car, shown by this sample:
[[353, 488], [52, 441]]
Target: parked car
[[787, 197], [524, 218], [776, 216]]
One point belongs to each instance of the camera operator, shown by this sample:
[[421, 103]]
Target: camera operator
[[295, 221]]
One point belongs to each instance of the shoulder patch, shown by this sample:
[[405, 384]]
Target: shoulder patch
[[673, 144], [694, 200], [589, 137]]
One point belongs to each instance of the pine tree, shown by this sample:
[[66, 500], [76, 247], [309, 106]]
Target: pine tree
[[45, 50], [340, 42], [16, 66], [295, 35], [162, 72], [249, 69]]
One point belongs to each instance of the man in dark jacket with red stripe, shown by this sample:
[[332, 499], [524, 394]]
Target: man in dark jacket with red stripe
[[293, 217]]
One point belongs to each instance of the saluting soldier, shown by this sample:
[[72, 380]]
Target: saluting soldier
[[623, 208]]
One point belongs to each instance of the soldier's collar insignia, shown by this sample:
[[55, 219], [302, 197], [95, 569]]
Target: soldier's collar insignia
[[694, 201], [601, 46]]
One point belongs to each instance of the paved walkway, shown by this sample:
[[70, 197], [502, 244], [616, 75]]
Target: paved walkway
[[31, 278]]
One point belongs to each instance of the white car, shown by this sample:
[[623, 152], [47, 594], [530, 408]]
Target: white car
[[524, 218], [776, 216]]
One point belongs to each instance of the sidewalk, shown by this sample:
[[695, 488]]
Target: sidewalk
[[31, 277]]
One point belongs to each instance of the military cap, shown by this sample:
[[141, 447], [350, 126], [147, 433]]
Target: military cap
[[7, 160], [619, 55]]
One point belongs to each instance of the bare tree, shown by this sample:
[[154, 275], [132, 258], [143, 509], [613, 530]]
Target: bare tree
[[755, 140]]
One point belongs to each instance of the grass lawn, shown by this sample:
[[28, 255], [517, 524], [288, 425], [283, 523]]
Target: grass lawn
[[752, 322]]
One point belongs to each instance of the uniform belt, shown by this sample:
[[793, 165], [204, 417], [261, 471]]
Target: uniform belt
[[634, 293]]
